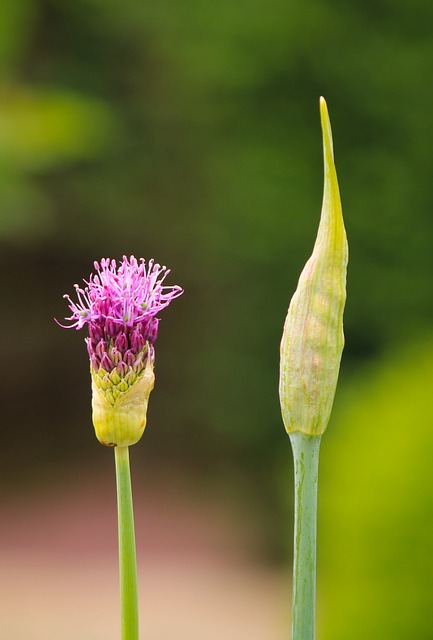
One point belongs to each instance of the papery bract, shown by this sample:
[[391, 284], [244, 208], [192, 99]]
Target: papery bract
[[313, 339]]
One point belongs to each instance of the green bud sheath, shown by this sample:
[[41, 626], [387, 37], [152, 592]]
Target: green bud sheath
[[313, 339], [120, 406]]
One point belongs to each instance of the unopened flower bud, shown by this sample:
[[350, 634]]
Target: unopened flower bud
[[313, 339]]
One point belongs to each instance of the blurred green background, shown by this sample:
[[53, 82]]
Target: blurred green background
[[189, 132]]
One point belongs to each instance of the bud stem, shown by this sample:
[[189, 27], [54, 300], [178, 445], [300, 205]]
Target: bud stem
[[127, 554], [306, 462]]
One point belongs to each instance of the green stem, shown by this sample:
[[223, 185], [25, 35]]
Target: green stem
[[306, 460], [127, 555]]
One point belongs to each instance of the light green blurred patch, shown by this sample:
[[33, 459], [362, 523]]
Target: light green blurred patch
[[376, 501], [43, 128]]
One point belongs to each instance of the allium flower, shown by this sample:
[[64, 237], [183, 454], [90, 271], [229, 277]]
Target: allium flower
[[119, 305]]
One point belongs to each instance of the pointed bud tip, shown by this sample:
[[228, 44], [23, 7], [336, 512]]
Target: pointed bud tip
[[326, 128]]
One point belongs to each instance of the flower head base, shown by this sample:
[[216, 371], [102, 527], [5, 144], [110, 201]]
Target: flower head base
[[119, 304]]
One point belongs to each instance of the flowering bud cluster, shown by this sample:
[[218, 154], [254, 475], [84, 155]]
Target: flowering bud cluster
[[119, 305], [123, 371]]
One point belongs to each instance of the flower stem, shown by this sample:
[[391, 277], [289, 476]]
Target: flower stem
[[127, 555], [306, 461]]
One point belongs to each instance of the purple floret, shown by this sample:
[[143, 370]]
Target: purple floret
[[119, 304]]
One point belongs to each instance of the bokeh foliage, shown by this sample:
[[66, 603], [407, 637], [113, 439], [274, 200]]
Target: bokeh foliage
[[189, 132], [375, 552]]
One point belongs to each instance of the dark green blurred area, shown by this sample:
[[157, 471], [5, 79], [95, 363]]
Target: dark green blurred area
[[189, 132]]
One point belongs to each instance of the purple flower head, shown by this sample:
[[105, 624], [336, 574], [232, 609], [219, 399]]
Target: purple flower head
[[119, 304]]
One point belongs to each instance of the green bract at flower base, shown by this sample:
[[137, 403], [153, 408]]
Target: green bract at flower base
[[313, 338], [121, 421]]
